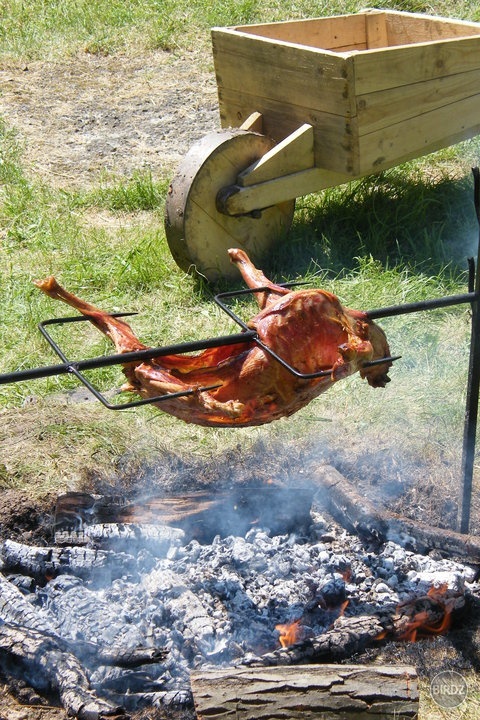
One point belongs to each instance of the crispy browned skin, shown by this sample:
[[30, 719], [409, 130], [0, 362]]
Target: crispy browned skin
[[309, 329]]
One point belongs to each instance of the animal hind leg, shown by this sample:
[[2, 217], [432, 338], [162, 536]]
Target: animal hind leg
[[117, 330]]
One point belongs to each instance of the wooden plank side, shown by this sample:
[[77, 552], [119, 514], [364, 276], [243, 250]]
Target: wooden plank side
[[399, 66], [296, 75], [414, 28], [376, 30], [330, 33], [335, 137], [382, 109], [419, 135]]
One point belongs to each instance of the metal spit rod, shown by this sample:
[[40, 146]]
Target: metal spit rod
[[77, 366], [117, 358], [248, 335], [433, 304], [303, 376], [473, 382]]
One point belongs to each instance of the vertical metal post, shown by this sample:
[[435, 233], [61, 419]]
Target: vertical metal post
[[473, 387]]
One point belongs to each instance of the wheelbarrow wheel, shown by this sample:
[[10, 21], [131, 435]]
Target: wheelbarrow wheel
[[198, 234]]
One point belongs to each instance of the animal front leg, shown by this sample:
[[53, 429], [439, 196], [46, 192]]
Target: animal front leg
[[254, 278]]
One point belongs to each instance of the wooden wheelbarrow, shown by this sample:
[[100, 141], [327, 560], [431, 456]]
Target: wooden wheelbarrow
[[311, 104]]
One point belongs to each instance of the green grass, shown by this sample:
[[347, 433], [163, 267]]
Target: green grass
[[140, 192], [33, 29], [404, 215]]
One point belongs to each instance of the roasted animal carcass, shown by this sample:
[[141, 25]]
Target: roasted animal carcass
[[307, 328]]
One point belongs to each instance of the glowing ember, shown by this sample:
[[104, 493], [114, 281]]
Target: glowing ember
[[435, 620], [290, 633], [347, 574]]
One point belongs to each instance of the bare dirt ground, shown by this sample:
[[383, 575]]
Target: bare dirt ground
[[90, 115]]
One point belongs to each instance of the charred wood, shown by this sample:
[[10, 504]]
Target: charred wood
[[44, 563], [131, 657], [47, 666], [307, 693], [105, 630], [359, 515], [106, 679], [158, 538], [174, 704], [201, 515], [15, 608], [348, 636]]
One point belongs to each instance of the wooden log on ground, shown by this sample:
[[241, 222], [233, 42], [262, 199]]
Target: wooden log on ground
[[347, 636], [307, 692], [124, 536], [357, 514]]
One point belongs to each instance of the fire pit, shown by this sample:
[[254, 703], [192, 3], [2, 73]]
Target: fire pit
[[135, 597]]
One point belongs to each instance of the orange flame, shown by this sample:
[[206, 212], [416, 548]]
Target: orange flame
[[290, 633], [421, 623]]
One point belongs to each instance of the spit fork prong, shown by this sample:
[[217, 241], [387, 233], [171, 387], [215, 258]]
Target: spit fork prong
[[381, 361]]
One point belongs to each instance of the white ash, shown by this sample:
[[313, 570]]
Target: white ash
[[208, 605]]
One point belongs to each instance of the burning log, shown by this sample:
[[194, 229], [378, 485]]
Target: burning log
[[358, 515], [347, 636], [313, 691], [46, 666], [350, 635]]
